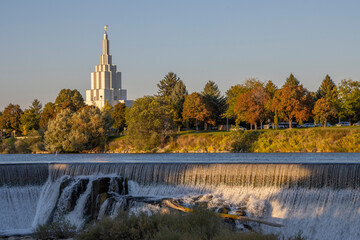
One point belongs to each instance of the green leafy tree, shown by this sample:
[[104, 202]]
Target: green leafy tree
[[48, 113], [107, 116], [150, 123], [349, 100], [70, 99], [119, 116], [231, 97], [217, 102], [30, 120], [323, 110], [75, 132], [234, 92], [10, 119], [196, 108]]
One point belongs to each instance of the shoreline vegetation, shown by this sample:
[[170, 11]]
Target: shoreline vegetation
[[264, 141], [331, 139], [153, 123]]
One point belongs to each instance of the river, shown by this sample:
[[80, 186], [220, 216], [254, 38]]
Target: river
[[315, 193]]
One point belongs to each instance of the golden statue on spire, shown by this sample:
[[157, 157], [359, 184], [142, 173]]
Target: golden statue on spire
[[106, 26]]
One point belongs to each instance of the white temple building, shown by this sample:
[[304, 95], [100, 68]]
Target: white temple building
[[106, 81]]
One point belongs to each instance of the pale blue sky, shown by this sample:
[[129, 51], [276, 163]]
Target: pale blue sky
[[49, 45]]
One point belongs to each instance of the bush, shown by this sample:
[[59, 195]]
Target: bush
[[55, 230], [202, 224]]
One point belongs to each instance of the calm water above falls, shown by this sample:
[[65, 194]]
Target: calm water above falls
[[316, 193], [185, 158]]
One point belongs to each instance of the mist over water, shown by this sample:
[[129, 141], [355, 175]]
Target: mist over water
[[319, 198]]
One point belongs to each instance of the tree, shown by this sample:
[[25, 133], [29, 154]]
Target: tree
[[75, 132], [213, 97], [173, 92], [48, 113], [10, 119], [323, 110], [119, 116], [327, 88], [71, 99], [231, 97], [150, 123], [292, 80], [196, 108], [271, 88], [58, 131], [292, 101], [251, 106], [233, 93], [30, 120], [107, 116], [177, 99], [167, 85], [349, 100]]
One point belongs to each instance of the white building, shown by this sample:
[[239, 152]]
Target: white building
[[106, 81]]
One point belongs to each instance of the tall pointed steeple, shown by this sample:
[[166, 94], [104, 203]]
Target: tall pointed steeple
[[105, 58], [106, 81]]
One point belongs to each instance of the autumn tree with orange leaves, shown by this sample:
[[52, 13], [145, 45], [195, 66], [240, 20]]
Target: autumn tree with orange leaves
[[323, 110], [292, 101], [251, 106], [196, 108]]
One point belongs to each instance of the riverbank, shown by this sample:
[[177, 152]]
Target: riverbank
[[332, 139]]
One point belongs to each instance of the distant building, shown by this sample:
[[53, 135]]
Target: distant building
[[106, 81]]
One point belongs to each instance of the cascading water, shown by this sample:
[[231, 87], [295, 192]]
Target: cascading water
[[321, 200]]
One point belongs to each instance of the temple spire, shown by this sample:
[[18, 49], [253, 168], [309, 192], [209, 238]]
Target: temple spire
[[105, 43]]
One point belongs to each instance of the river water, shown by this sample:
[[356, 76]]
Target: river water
[[315, 193]]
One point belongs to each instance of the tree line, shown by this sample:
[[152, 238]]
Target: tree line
[[68, 125]]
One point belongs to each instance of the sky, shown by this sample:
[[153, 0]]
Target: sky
[[46, 46]]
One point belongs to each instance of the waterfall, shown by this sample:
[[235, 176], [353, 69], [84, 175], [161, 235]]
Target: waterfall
[[321, 200]]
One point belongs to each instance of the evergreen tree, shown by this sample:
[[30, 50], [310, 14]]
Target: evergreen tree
[[48, 113], [326, 89], [292, 80], [217, 102], [167, 85], [271, 88], [177, 99], [30, 120]]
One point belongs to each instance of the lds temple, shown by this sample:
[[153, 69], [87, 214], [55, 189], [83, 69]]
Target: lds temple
[[106, 81]]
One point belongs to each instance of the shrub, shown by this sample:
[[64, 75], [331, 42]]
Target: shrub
[[202, 224], [55, 230]]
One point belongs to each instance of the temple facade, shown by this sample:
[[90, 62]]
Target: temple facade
[[106, 81]]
